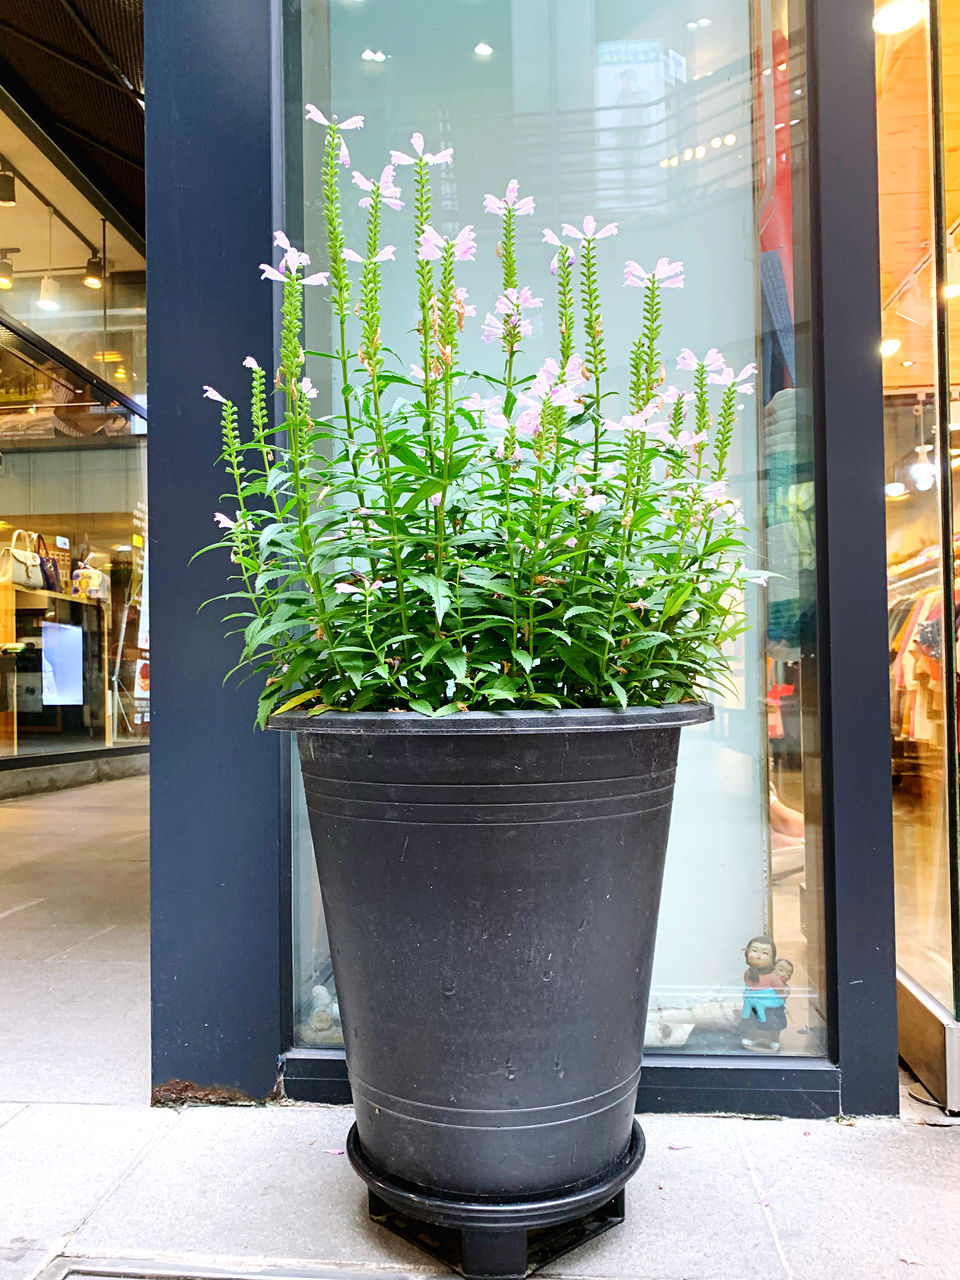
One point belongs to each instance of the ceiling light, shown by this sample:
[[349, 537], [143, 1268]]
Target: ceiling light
[[768, 71], [923, 471], [889, 347], [8, 187], [108, 357], [895, 489], [700, 152], [907, 364], [673, 161], [93, 273], [688, 153], [49, 299], [703, 22], [691, 26], [898, 15], [781, 66], [716, 142], [797, 93], [373, 55], [120, 374], [6, 273], [483, 50], [123, 546], [797, 121], [31, 409], [730, 139]]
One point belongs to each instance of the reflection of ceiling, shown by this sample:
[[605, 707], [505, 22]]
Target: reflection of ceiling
[[26, 225], [76, 68], [906, 210]]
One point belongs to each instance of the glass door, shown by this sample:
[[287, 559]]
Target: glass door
[[920, 282]]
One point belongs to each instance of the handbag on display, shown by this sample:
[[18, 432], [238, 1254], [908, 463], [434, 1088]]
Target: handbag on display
[[49, 569], [89, 583], [19, 562]]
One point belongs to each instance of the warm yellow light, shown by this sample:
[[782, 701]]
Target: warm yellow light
[[93, 282], [108, 357], [120, 374], [897, 16], [951, 290], [730, 139], [716, 142], [700, 152], [889, 347], [6, 282]]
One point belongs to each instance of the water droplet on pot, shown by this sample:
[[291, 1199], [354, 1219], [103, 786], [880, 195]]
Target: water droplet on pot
[[448, 987], [511, 1075], [547, 975], [581, 924]]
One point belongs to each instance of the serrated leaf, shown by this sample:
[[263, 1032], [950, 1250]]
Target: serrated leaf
[[436, 589]]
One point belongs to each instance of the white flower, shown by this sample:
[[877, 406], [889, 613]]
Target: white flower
[[595, 502], [347, 589]]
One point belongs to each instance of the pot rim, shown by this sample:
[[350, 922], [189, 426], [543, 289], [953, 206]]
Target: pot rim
[[566, 719]]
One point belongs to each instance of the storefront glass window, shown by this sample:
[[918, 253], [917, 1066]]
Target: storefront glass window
[[74, 625], [919, 563], [690, 132]]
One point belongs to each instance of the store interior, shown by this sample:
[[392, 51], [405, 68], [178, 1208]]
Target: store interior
[[921, 511]]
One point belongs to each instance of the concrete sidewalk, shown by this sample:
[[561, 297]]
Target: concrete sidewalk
[[246, 1188]]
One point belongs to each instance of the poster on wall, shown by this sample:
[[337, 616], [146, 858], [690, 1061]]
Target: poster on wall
[[630, 85]]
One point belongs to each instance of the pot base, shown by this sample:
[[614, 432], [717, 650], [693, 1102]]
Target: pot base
[[492, 1239]]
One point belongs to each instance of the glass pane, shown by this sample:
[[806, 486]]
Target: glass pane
[[74, 624], [918, 724], [691, 135]]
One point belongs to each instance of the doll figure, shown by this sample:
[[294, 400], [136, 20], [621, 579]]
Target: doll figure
[[764, 996]]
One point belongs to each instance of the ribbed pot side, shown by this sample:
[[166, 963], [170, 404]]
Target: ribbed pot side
[[491, 885]]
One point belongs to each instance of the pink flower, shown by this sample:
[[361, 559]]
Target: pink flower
[[673, 394], [713, 361], [716, 491], [528, 423], [551, 237], [293, 259], [499, 451], [344, 154], [315, 114], [432, 243], [589, 231], [468, 308], [493, 204], [347, 589], [308, 389], [210, 394], [594, 503], [570, 542], [416, 141], [517, 300], [727, 378], [250, 363], [669, 275], [478, 404], [416, 372], [386, 254], [389, 191], [436, 499], [222, 521], [686, 440]]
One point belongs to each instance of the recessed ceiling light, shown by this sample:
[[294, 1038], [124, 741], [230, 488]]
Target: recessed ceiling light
[[703, 22], [716, 142], [691, 26], [688, 153], [898, 15], [895, 489], [373, 55], [908, 364], [700, 152], [889, 347], [730, 139], [483, 50]]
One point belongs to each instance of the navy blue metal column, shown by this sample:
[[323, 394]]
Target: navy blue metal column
[[216, 792], [851, 561]]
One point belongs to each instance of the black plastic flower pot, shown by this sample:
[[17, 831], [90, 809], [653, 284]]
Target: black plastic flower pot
[[491, 884]]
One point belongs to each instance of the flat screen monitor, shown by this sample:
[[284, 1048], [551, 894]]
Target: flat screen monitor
[[62, 651]]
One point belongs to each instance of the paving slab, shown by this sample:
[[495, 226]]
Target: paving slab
[[57, 1162], [871, 1199], [256, 1183]]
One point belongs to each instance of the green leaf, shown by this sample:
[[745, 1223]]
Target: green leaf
[[436, 589], [298, 700], [579, 609], [619, 690], [457, 662], [523, 658]]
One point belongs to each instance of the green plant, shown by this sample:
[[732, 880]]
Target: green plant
[[446, 540]]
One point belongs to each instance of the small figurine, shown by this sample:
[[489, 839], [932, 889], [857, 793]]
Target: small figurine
[[765, 993]]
